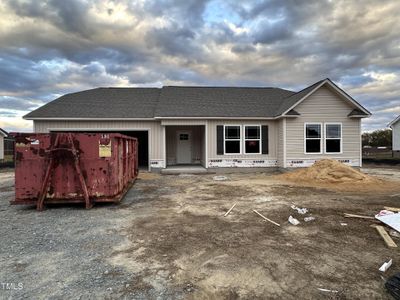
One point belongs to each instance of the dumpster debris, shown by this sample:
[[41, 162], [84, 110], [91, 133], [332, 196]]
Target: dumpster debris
[[387, 239], [392, 220], [393, 286], [293, 221], [385, 266], [227, 213], [301, 211], [309, 219], [343, 224], [265, 218]]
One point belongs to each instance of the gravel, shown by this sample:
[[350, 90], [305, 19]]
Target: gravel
[[63, 251]]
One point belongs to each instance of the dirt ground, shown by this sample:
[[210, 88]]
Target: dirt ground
[[168, 239]]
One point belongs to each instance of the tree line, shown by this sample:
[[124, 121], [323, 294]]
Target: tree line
[[377, 138]]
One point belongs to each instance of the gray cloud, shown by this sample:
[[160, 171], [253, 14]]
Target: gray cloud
[[52, 47]]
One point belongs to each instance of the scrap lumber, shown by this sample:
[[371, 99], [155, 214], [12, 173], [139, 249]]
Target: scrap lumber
[[388, 240], [397, 209], [358, 216], [265, 218], [227, 213]]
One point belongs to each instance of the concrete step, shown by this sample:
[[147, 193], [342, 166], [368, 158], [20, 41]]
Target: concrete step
[[183, 170]]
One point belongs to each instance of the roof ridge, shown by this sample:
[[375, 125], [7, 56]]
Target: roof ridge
[[225, 86], [127, 87]]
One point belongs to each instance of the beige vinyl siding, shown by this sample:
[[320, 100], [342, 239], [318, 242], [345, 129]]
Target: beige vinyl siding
[[324, 106], [1, 146], [156, 147], [212, 139], [197, 138], [396, 136]]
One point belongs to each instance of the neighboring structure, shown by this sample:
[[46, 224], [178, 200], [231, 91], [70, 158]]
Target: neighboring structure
[[218, 127], [3, 134], [395, 125]]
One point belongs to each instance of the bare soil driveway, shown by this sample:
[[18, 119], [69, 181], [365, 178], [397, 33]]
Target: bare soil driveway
[[168, 239]]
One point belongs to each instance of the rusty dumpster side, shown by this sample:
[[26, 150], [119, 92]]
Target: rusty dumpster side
[[73, 167]]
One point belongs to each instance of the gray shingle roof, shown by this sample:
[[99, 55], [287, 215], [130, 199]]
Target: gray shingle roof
[[219, 101], [102, 103], [173, 101]]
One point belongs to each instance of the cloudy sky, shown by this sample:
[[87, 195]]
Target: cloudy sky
[[52, 47]]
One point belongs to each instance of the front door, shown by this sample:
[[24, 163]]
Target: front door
[[184, 147]]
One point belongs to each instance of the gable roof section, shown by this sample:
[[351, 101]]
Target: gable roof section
[[3, 132], [299, 97], [294, 99], [183, 102], [219, 102], [394, 122], [357, 113], [101, 103]]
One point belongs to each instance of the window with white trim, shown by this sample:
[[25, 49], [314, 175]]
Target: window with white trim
[[252, 139], [333, 138], [232, 139], [312, 138]]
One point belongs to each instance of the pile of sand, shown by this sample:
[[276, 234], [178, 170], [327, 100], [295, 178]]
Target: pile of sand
[[329, 171]]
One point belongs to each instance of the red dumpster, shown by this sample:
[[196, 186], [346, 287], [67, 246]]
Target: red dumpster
[[73, 167]]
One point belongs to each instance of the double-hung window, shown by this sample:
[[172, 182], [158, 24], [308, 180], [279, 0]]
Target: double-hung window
[[333, 138], [232, 139], [252, 139], [313, 138]]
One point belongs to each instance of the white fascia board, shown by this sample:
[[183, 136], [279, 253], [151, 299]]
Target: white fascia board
[[394, 122]]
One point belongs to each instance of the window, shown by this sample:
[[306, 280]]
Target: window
[[232, 140], [252, 139], [312, 138], [333, 138], [184, 137]]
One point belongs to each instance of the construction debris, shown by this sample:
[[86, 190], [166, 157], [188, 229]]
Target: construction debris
[[385, 266], [227, 213], [301, 211], [265, 218], [394, 233], [392, 208], [293, 221], [343, 224], [329, 291], [384, 213], [309, 219], [357, 216], [220, 178], [388, 240], [392, 220]]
